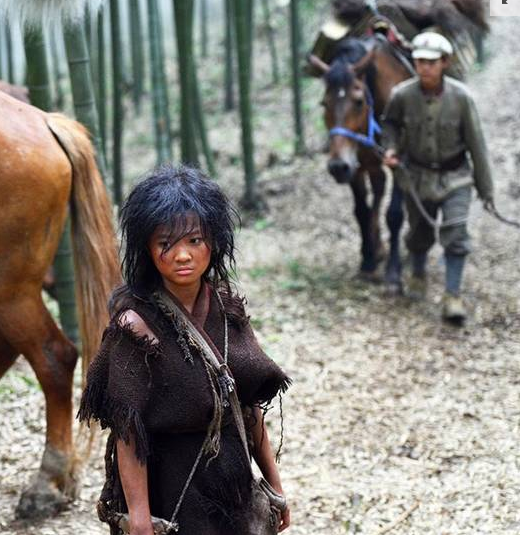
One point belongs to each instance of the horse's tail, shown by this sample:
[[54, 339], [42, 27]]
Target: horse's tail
[[96, 264]]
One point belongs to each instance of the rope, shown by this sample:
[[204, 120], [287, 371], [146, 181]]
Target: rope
[[492, 209]]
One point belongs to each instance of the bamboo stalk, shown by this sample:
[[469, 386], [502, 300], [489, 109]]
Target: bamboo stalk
[[229, 100], [37, 78], [136, 38], [41, 97], [9, 54], [183, 12], [117, 102], [101, 81], [240, 9], [271, 42], [299, 145], [57, 72], [201, 125], [204, 28], [158, 83], [82, 86]]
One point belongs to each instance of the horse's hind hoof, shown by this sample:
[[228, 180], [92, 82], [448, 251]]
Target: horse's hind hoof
[[41, 500]]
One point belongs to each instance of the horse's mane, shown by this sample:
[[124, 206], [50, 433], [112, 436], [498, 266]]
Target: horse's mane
[[45, 12], [348, 51], [450, 15]]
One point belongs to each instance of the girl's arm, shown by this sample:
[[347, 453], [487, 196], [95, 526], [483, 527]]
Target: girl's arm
[[134, 478], [263, 455]]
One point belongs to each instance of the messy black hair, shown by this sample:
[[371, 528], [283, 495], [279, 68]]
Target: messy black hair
[[169, 196]]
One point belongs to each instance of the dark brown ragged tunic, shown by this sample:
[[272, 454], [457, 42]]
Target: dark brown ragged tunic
[[164, 399]]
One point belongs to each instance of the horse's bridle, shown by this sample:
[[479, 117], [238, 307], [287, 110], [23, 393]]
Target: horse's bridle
[[368, 139]]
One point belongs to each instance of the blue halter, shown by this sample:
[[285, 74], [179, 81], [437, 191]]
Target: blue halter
[[368, 140]]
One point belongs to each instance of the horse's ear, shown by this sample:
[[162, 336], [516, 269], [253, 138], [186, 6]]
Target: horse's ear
[[318, 63], [362, 65]]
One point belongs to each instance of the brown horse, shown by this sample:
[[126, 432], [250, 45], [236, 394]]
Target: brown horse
[[358, 83], [47, 168]]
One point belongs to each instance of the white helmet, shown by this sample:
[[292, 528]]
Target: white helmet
[[431, 45]]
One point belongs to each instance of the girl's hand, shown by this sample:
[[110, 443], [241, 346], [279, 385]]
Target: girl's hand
[[141, 527], [285, 519]]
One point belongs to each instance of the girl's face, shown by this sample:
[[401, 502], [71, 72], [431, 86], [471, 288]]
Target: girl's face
[[182, 263]]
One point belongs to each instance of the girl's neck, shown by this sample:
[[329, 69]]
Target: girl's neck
[[187, 295]]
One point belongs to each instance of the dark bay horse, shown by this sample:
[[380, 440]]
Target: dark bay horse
[[358, 83], [47, 168]]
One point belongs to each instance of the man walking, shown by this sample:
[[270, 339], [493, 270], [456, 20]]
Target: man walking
[[430, 126]]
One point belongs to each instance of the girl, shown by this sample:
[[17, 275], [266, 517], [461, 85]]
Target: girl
[[175, 449]]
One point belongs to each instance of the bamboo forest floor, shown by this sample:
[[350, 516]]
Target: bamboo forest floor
[[392, 413]]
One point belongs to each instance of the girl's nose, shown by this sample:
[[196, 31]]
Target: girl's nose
[[182, 255]]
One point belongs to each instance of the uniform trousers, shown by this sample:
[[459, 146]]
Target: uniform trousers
[[454, 239]]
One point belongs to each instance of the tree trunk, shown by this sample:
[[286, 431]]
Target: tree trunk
[[37, 78], [82, 87], [241, 13], [163, 141], [137, 43], [229, 100], [117, 102], [295, 64], [271, 41], [183, 11]]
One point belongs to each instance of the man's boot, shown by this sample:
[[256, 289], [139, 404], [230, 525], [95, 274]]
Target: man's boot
[[453, 308], [418, 283]]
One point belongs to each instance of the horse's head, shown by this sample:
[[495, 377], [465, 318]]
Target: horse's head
[[347, 105]]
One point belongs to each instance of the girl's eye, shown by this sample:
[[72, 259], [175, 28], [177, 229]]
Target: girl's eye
[[164, 245], [196, 241]]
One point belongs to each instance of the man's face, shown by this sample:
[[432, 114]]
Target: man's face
[[430, 71]]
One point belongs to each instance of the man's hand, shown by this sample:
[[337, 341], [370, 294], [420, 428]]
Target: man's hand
[[489, 204], [390, 158]]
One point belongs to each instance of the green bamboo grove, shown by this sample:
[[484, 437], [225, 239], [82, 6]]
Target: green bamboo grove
[[146, 63]]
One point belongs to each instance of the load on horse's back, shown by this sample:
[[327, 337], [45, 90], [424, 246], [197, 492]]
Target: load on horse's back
[[48, 170], [462, 21]]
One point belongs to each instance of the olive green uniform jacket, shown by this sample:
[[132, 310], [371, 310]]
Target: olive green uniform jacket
[[428, 131]]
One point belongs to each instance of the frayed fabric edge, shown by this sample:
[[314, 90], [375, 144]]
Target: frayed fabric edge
[[124, 421]]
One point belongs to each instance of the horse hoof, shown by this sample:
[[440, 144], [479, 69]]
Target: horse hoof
[[393, 289], [373, 277], [41, 500]]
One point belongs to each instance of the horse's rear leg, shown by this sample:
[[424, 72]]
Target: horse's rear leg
[[394, 220], [32, 332], [7, 356]]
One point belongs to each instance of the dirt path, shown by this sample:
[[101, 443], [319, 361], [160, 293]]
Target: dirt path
[[389, 407]]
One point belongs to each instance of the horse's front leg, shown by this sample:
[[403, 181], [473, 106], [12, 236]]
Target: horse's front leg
[[378, 183], [363, 215], [394, 220]]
